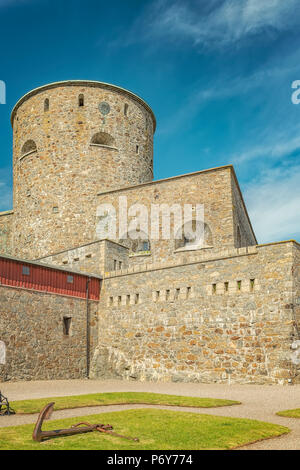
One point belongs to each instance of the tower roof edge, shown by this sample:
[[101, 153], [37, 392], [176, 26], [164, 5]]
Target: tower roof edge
[[89, 83]]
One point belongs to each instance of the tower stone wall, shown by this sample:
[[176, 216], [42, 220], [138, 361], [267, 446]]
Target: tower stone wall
[[71, 141]]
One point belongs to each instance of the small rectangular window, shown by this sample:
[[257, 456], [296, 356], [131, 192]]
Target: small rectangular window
[[136, 298], [119, 299], [177, 293], [136, 149], [188, 292], [214, 288], [81, 100], [76, 259], [167, 294], [239, 285], [120, 264], [111, 301], [157, 295], [88, 256], [115, 264], [67, 325], [70, 279], [128, 299], [55, 209], [252, 284], [226, 286], [26, 270]]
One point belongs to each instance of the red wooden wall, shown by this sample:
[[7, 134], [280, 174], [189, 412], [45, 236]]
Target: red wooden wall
[[47, 279]]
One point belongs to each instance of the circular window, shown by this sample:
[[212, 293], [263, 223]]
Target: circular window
[[104, 108]]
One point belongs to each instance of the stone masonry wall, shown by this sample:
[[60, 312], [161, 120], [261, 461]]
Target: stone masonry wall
[[240, 218], [226, 320], [92, 258], [55, 185], [32, 329], [212, 188], [6, 226], [295, 307], [88, 258]]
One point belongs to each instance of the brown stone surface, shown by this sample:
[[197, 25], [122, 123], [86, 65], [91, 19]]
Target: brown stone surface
[[55, 186], [32, 330], [242, 335]]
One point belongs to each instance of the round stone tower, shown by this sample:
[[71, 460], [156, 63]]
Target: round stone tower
[[73, 140]]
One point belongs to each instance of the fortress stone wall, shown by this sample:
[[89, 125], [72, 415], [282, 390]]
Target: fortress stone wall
[[216, 189], [32, 331], [227, 311], [6, 227], [227, 318]]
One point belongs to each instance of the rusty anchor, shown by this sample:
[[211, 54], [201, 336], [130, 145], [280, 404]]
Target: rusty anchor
[[79, 428]]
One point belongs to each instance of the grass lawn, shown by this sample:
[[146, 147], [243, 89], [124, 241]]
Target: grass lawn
[[290, 413], [156, 429], [35, 406]]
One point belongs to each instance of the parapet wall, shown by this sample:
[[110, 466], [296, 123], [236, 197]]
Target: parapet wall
[[226, 320]]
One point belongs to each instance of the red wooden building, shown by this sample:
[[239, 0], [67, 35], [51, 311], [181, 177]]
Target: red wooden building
[[36, 276]]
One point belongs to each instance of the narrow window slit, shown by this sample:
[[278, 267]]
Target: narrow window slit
[[46, 105], [67, 325], [80, 100]]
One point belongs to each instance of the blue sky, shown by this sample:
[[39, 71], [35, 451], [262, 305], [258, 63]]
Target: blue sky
[[216, 73]]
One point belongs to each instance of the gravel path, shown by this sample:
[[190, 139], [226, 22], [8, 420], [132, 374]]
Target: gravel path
[[258, 402]]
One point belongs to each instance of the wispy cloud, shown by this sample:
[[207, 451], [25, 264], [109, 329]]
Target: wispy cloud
[[225, 23], [275, 150], [7, 3], [273, 202], [5, 190], [225, 87]]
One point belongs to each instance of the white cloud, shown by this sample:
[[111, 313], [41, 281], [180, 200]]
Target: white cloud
[[5, 190], [228, 22], [275, 148], [273, 202], [224, 87]]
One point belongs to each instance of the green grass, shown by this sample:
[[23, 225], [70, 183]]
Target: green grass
[[290, 413], [35, 406], [156, 429]]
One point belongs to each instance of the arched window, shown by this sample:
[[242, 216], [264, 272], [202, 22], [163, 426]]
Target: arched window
[[29, 146], [81, 100], [46, 105], [137, 242], [193, 235], [102, 138]]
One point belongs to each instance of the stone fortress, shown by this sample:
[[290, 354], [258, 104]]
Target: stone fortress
[[224, 312]]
